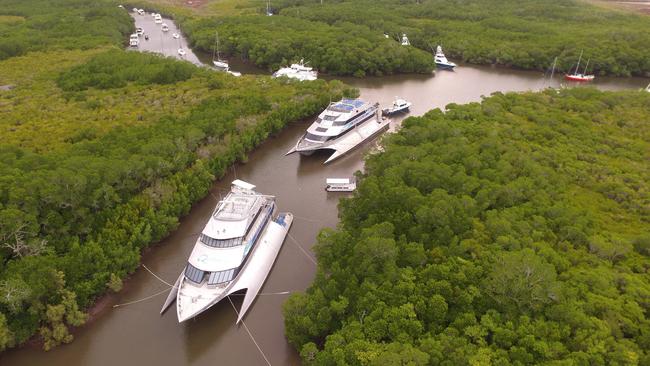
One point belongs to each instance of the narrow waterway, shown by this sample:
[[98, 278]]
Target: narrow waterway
[[137, 335]]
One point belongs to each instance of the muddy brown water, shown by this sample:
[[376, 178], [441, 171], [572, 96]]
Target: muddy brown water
[[137, 335]]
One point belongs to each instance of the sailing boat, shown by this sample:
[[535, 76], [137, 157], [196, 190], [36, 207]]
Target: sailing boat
[[268, 8], [576, 76], [221, 65]]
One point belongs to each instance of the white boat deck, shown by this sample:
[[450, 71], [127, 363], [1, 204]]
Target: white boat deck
[[360, 134]]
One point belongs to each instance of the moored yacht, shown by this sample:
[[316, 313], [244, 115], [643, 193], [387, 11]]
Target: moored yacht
[[334, 122], [576, 75], [297, 71], [441, 60], [235, 251], [399, 105], [405, 40]]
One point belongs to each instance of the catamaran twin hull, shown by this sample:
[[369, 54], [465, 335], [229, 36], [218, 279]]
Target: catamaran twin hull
[[352, 139], [195, 290]]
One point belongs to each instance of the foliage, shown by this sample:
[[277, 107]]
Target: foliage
[[512, 231], [342, 49], [37, 25], [81, 202], [523, 34]]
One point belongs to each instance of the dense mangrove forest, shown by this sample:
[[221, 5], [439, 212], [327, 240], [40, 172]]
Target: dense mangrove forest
[[513, 231], [348, 37], [102, 150]]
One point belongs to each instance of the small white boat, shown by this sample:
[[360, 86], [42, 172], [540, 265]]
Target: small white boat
[[234, 73], [269, 12], [139, 31], [134, 40], [386, 35], [164, 27], [399, 105], [176, 36], [577, 76], [647, 88], [135, 10], [141, 11], [181, 52], [340, 184], [405, 40], [298, 71], [441, 60], [157, 19]]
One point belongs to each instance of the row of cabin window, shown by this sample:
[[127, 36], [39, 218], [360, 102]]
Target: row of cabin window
[[220, 243]]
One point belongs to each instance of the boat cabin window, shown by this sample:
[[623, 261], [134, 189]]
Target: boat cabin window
[[327, 117], [220, 243], [316, 138], [194, 274], [221, 276]]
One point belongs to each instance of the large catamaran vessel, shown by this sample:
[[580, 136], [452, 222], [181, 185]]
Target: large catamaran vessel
[[234, 252], [337, 120]]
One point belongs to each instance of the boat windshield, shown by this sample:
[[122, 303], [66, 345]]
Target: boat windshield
[[316, 138]]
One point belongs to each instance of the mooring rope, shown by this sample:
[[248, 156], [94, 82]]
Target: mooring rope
[[141, 300], [249, 333], [302, 250], [308, 219], [160, 279]]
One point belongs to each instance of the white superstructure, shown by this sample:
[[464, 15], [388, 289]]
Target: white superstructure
[[235, 251], [405, 40], [441, 60], [297, 71], [399, 105], [340, 184]]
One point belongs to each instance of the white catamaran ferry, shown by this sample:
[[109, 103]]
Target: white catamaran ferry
[[335, 121], [234, 252]]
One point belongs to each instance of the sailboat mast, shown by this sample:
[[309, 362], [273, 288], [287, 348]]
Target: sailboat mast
[[585, 72], [579, 58], [552, 71], [216, 39]]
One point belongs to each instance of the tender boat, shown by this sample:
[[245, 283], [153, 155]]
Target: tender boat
[[176, 35], [334, 122], [181, 52], [399, 105], [405, 40], [297, 71], [141, 11], [441, 60], [340, 184], [577, 76], [134, 40], [139, 31], [164, 27], [234, 252], [157, 19]]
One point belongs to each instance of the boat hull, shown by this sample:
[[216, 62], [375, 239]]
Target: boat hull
[[582, 78], [251, 277], [445, 66]]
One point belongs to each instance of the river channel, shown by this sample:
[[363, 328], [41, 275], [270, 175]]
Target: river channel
[[137, 335]]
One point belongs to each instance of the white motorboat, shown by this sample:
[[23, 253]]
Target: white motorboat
[[164, 27], [134, 40], [441, 60], [405, 40], [141, 11], [399, 105], [139, 31], [340, 184], [181, 52], [234, 73], [157, 18], [297, 71], [234, 252], [176, 35]]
